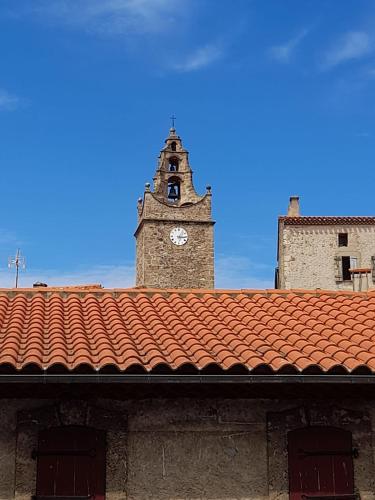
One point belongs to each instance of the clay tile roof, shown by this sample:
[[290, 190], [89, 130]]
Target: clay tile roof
[[146, 329], [327, 221]]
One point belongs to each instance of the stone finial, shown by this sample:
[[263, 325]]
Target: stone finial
[[139, 207], [293, 208], [208, 189], [147, 186]]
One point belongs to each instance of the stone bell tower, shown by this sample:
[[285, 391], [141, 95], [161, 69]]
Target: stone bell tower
[[175, 242]]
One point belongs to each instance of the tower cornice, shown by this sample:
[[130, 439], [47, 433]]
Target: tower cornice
[[173, 221]]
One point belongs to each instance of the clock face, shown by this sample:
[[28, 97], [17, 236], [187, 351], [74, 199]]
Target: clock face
[[178, 236]]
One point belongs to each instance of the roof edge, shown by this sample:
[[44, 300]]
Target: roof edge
[[318, 220], [189, 379], [47, 291]]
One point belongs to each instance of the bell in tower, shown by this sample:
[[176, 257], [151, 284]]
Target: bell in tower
[[173, 181], [175, 229], [173, 190]]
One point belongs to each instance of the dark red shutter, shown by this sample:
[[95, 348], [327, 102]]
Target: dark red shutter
[[71, 464], [320, 464]]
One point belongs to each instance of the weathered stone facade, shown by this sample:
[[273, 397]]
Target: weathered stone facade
[[186, 448], [310, 255], [174, 204]]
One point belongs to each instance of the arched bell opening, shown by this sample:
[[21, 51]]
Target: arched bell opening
[[173, 165], [174, 191], [173, 146]]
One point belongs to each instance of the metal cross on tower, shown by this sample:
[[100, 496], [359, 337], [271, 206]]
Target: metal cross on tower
[[18, 262], [173, 119]]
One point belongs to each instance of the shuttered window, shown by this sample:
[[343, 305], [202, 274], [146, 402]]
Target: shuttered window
[[320, 461], [343, 264], [71, 464]]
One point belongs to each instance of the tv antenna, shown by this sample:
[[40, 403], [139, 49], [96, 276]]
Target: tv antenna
[[18, 262]]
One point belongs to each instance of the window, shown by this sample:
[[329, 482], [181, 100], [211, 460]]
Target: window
[[343, 265], [71, 464], [173, 146], [343, 239], [346, 276], [320, 462]]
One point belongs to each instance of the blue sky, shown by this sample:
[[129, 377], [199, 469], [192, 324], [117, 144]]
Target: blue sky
[[272, 98]]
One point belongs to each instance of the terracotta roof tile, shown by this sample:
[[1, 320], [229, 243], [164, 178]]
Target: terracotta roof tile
[[327, 220], [151, 328]]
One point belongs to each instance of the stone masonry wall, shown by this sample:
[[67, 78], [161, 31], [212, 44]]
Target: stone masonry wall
[[156, 209], [307, 254], [185, 448], [160, 263]]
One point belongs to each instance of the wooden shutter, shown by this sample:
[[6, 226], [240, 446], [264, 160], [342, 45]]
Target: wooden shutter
[[338, 268], [320, 461], [353, 262], [373, 267], [71, 464]]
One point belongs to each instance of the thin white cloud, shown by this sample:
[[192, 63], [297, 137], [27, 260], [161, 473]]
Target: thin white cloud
[[111, 17], [8, 237], [236, 272], [200, 58], [364, 135], [351, 46], [8, 102], [232, 272], [163, 20], [283, 53], [121, 276]]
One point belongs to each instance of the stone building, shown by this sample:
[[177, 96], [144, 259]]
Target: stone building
[[330, 253], [145, 394], [185, 393], [174, 237]]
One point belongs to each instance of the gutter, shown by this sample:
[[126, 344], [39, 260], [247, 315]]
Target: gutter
[[121, 378]]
